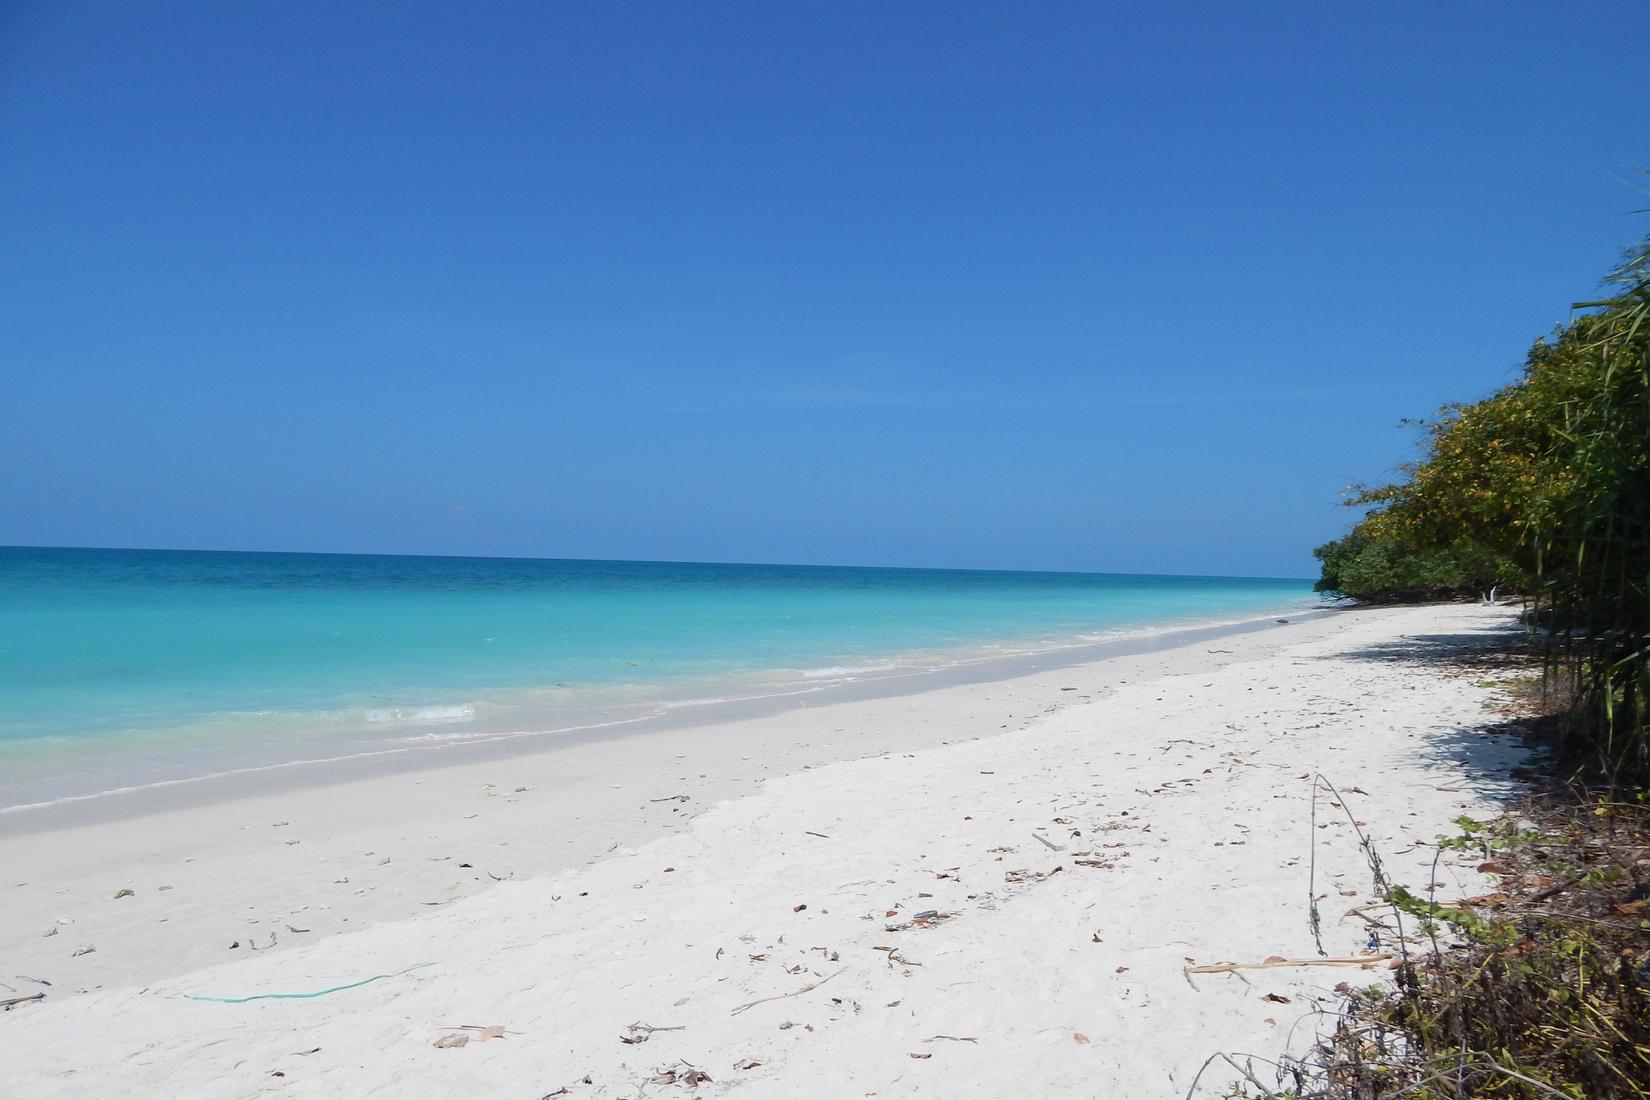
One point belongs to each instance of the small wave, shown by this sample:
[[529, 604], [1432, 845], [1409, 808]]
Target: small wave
[[838, 672], [460, 712]]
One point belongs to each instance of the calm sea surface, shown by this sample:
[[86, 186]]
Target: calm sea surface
[[125, 667]]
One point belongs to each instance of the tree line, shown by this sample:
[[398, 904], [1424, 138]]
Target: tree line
[[1541, 489]]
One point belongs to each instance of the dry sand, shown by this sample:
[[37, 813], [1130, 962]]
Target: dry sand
[[754, 892]]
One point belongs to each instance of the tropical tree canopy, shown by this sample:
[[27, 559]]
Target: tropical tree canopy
[[1541, 488]]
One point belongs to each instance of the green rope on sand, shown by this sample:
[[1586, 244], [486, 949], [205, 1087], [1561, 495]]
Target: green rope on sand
[[305, 996]]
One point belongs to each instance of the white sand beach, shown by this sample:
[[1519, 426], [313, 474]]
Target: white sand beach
[[990, 889]]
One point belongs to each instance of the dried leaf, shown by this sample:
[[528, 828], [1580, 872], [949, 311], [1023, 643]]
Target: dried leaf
[[1079, 1038], [1276, 998]]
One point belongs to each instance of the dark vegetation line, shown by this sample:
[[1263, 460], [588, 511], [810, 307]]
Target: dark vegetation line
[[1541, 489], [1540, 988]]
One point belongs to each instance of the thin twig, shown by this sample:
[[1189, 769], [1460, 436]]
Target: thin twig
[[1345, 960], [782, 996]]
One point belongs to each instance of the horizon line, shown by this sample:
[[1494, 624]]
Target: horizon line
[[651, 561]]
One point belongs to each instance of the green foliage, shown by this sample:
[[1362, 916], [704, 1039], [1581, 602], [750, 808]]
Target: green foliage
[[1542, 487], [1374, 566], [1544, 990]]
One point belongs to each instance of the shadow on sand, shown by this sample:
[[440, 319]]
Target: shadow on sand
[[1501, 757]]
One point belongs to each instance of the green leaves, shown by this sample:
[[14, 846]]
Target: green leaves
[[1544, 488]]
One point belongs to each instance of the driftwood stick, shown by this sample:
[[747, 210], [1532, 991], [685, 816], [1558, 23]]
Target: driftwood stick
[[1347, 960], [6, 1005], [782, 996], [1553, 891]]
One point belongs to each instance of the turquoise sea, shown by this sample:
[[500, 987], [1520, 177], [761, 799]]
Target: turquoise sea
[[121, 668]]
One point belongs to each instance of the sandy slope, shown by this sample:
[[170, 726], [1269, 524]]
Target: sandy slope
[[1186, 795]]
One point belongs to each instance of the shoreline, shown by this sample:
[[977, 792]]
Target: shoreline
[[415, 753], [667, 879]]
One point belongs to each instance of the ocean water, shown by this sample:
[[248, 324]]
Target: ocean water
[[121, 668]]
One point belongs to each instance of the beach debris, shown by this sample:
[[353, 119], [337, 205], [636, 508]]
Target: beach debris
[[1276, 998], [123, 892], [692, 1077], [928, 918], [304, 996], [52, 931], [1079, 1038], [748, 1063], [1362, 961], [306, 1053], [794, 993], [799, 907], [1046, 842], [10, 1003], [289, 928], [469, 1033], [641, 1033], [672, 798], [919, 1057], [822, 836], [954, 1038], [84, 949], [1023, 875]]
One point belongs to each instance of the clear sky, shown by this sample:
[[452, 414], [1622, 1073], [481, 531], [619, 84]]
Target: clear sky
[[1134, 287]]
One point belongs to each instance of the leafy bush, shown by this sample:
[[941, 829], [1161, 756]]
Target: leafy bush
[[1544, 487]]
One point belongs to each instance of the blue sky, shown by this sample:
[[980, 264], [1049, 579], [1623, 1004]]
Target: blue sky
[[1108, 287]]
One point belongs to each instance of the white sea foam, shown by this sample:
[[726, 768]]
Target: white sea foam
[[459, 712], [838, 672]]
